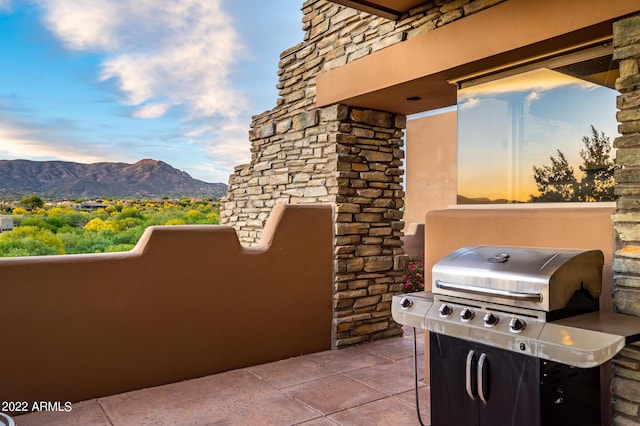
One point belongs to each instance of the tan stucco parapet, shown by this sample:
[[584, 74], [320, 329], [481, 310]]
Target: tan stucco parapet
[[506, 33], [187, 302]]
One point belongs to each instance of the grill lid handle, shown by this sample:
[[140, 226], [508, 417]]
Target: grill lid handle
[[504, 294]]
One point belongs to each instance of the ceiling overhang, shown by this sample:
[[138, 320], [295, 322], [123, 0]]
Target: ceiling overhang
[[507, 33], [390, 9]]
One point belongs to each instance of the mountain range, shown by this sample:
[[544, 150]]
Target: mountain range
[[62, 179]]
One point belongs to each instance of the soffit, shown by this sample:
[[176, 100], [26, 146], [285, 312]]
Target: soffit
[[507, 33], [390, 9]]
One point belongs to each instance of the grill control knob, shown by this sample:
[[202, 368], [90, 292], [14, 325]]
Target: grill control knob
[[490, 320], [466, 315], [516, 325], [445, 310], [406, 303]]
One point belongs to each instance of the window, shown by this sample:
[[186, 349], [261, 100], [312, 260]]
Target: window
[[539, 133]]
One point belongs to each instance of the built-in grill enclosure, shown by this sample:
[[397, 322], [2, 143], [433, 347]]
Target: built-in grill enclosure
[[533, 278]]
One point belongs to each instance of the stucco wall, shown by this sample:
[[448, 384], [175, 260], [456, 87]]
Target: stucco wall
[[188, 301], [430, 176]]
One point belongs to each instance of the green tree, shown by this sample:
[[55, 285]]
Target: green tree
[[25, 247], [32, 202], [130, 213], [86, 242], [30, 239]]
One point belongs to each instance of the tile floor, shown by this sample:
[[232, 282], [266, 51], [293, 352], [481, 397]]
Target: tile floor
[[370, 384]]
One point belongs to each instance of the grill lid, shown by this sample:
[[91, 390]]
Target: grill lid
[[534, 278]]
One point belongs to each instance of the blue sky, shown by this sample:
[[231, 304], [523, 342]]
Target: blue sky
[[124, 80]]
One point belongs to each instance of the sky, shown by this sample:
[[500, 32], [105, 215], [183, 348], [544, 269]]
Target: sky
[[125, 80]]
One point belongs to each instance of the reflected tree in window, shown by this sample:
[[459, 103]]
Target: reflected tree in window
[[597, 183], [557, 182]]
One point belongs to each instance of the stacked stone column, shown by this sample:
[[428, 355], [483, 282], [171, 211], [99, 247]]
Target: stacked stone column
[[626, 263], [369, 258]]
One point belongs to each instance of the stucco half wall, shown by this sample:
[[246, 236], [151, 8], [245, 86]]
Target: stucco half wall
[[188, 301]]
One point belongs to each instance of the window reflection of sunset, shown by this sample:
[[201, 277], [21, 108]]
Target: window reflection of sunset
[[507, 126], [566, 338]]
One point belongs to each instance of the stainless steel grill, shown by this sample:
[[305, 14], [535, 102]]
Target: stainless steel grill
[[508, 327], [514, 298]]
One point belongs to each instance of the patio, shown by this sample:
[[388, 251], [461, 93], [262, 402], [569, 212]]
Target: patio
[[368, 384]]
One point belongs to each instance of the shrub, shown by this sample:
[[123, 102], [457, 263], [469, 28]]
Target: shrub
[[414, 280]]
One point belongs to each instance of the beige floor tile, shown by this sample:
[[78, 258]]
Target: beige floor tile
[[387, 412], [409, 397], [340, 361], [81, 414], [233, 398], [290, 372], [391, 378], [394, 349], [334, 393]]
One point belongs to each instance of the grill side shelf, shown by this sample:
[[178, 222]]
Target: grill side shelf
[[591, 339], [577, 346]]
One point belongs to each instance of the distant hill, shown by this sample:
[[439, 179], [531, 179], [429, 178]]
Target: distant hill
[[62, 179], [483, 200]]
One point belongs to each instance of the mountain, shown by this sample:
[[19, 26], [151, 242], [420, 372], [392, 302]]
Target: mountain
[[483, 200], [62, 179]]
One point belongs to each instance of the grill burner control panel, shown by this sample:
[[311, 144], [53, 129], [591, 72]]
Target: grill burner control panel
[[485, 323], [489, 319], [583, 341]]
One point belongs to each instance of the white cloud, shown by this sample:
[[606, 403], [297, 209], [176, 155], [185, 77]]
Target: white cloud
[[83, 24], [232, 143], [237, 151], [170, 53], [24, 135], [220, 154], [151, 111], [469, 103], [532, 97], [198, 131], [18, 142]]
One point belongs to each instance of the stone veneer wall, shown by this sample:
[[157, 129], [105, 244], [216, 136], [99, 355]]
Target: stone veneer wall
[[348, 157], [626, 263]]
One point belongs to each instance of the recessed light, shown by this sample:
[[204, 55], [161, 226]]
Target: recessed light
[[414, 98]]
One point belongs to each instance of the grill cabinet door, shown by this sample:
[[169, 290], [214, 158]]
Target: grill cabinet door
[[450, 403], [510, 385]]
